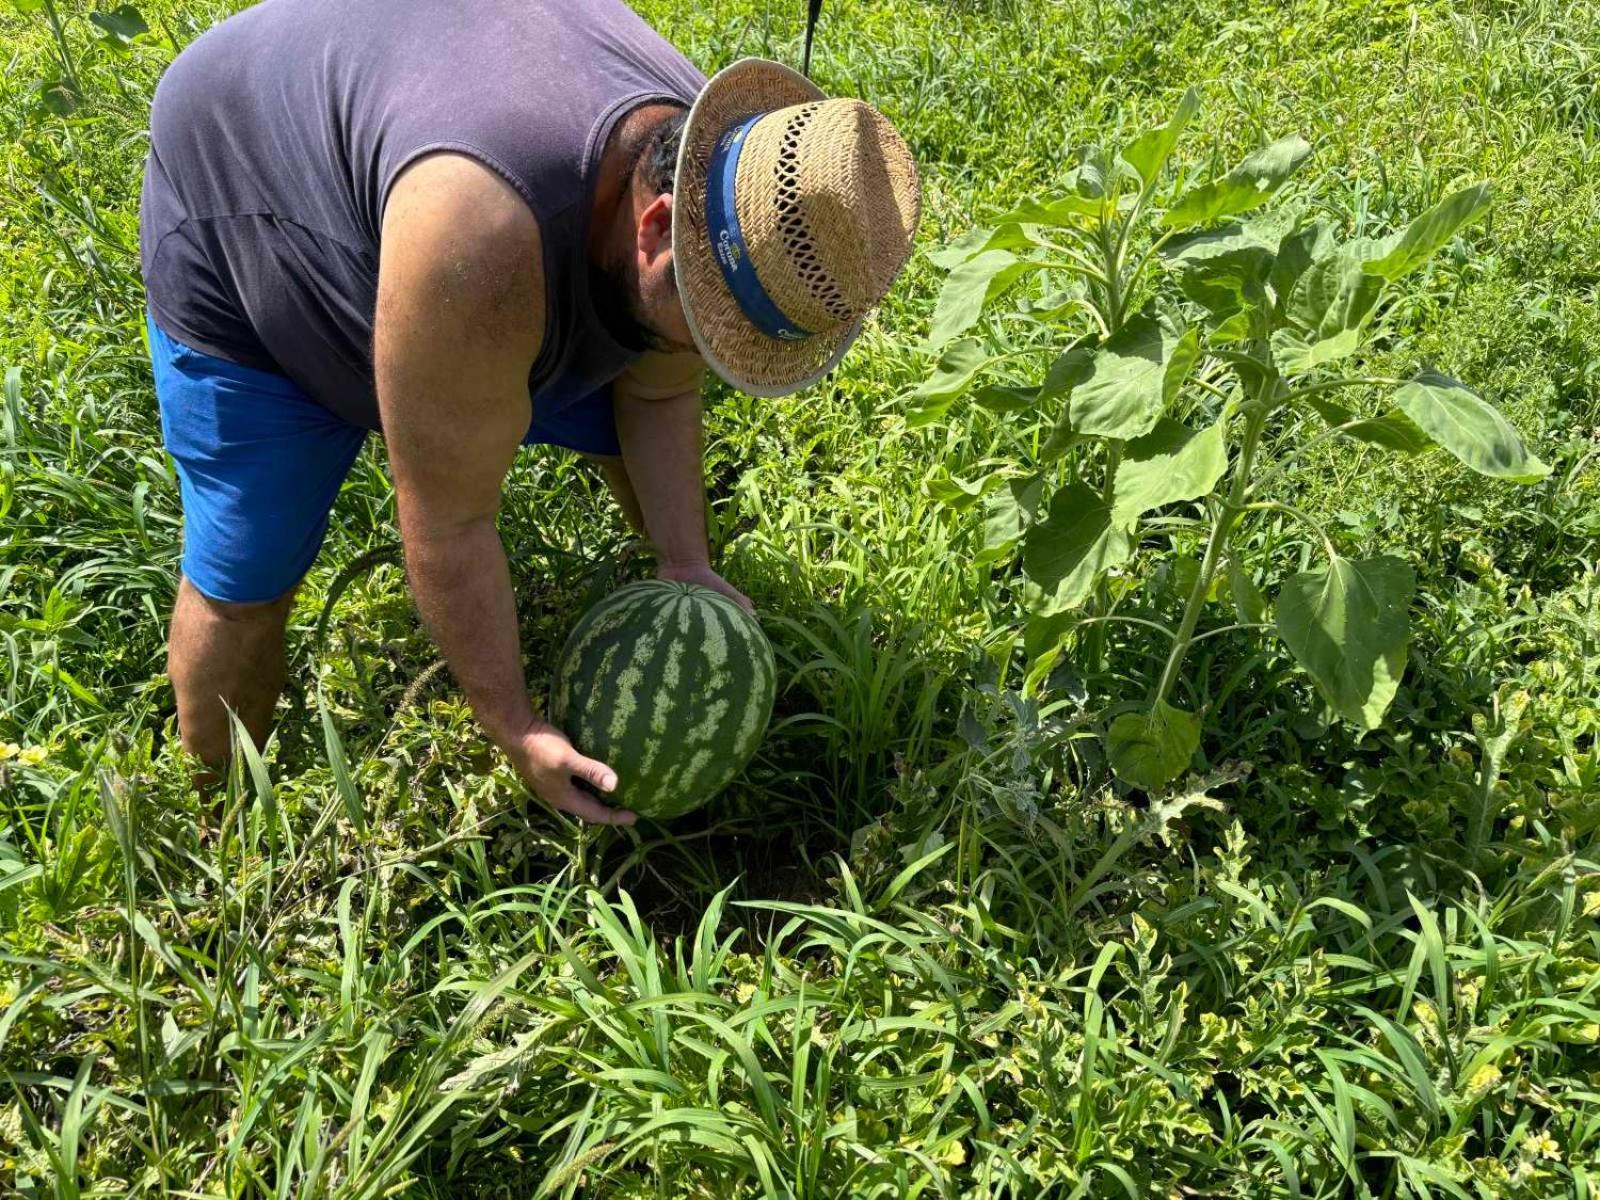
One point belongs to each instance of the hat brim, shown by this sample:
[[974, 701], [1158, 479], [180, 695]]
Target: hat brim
[[731, 346]]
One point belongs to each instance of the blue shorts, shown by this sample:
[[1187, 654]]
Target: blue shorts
[[260, 464]]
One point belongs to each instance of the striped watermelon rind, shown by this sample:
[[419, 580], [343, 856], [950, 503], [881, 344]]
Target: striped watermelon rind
[[669, 684]]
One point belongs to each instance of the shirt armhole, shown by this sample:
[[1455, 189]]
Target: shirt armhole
[[655, 375]]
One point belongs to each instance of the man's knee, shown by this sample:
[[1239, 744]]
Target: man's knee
[[265, 612]]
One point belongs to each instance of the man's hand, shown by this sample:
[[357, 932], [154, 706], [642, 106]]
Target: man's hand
[[547, 761], [706, 577]]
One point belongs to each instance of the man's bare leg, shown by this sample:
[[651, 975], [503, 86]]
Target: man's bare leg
[[223, 656], [616, 477]]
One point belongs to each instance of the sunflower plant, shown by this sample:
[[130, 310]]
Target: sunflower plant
[[1209, 329]]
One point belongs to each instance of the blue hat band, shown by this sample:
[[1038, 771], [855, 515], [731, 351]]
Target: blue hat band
[[727, 242]]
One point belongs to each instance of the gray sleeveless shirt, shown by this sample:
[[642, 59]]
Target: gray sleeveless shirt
[[276, 135]]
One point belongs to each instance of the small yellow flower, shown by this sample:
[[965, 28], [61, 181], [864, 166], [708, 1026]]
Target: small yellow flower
[[33, 756], [954, 1154], [1539, 1145], [1484, 1078], [9, 750]]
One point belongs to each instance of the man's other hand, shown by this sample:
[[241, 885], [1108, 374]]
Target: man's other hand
[[706, 577], [547, 761]]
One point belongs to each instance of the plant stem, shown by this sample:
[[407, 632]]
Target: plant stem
[[1113, 461], [1231, 510], [1148, 257], [1200, 637], [1111, 248], [1327, 435], [1156, 625], [62, 48], [1113, 273], [1071, 260], [1298, 514], [1332, 385]]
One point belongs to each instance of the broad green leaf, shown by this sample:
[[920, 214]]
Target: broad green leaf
[[57, 95], [1085, 180], [1041, 667], [1469, 428], [1058, 210], [1083, 191], [1069, 369], [1174, 578], [1225, 269], [1054, 305], [968, 288], [1392, 430], [1062, 438], [976, 241], [1066, 373], [1170, 463], [1185, 353], [1040, 632], [1335, 294], [953, 375], [1348, 627], [1297, 250], [1007, 513], [1135, 375], [1004, 398], [123, 23], [1431, 232], [1077, 542], [1237, 327], [1149, 152], [1249, 605], [955, 252], [71, 682], [1245, 187], [1151, 749], [959, 494], [1295, 355]]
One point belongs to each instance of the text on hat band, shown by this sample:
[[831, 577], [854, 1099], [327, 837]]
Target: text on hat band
[[727, 242]]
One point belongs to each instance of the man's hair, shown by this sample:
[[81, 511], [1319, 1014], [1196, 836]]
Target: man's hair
[[653, 161], [656, 159]]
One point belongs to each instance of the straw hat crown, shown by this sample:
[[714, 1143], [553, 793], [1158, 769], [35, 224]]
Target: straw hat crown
[[792, 215], [827, 195]]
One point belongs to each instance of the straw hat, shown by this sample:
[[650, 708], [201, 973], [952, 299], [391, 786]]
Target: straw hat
[[792, 215]]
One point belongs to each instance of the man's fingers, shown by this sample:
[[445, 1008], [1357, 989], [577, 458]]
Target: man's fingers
[[587, 808], [593, 772], [738, 597]]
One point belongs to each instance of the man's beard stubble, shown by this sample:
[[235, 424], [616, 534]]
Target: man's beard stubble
[[615, 296]]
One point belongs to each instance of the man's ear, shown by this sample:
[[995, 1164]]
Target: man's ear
[[655, 230]]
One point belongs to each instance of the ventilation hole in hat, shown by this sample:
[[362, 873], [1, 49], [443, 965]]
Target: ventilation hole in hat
[[792, 225]]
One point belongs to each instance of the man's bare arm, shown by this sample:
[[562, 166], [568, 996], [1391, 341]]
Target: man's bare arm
[[661, 447], [659, 426], [459, 322]]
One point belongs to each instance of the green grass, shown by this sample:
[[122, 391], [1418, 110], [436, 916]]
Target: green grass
[[924, 947]]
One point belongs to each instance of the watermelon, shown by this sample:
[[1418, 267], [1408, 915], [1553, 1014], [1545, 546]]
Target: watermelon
[[671, 686]]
